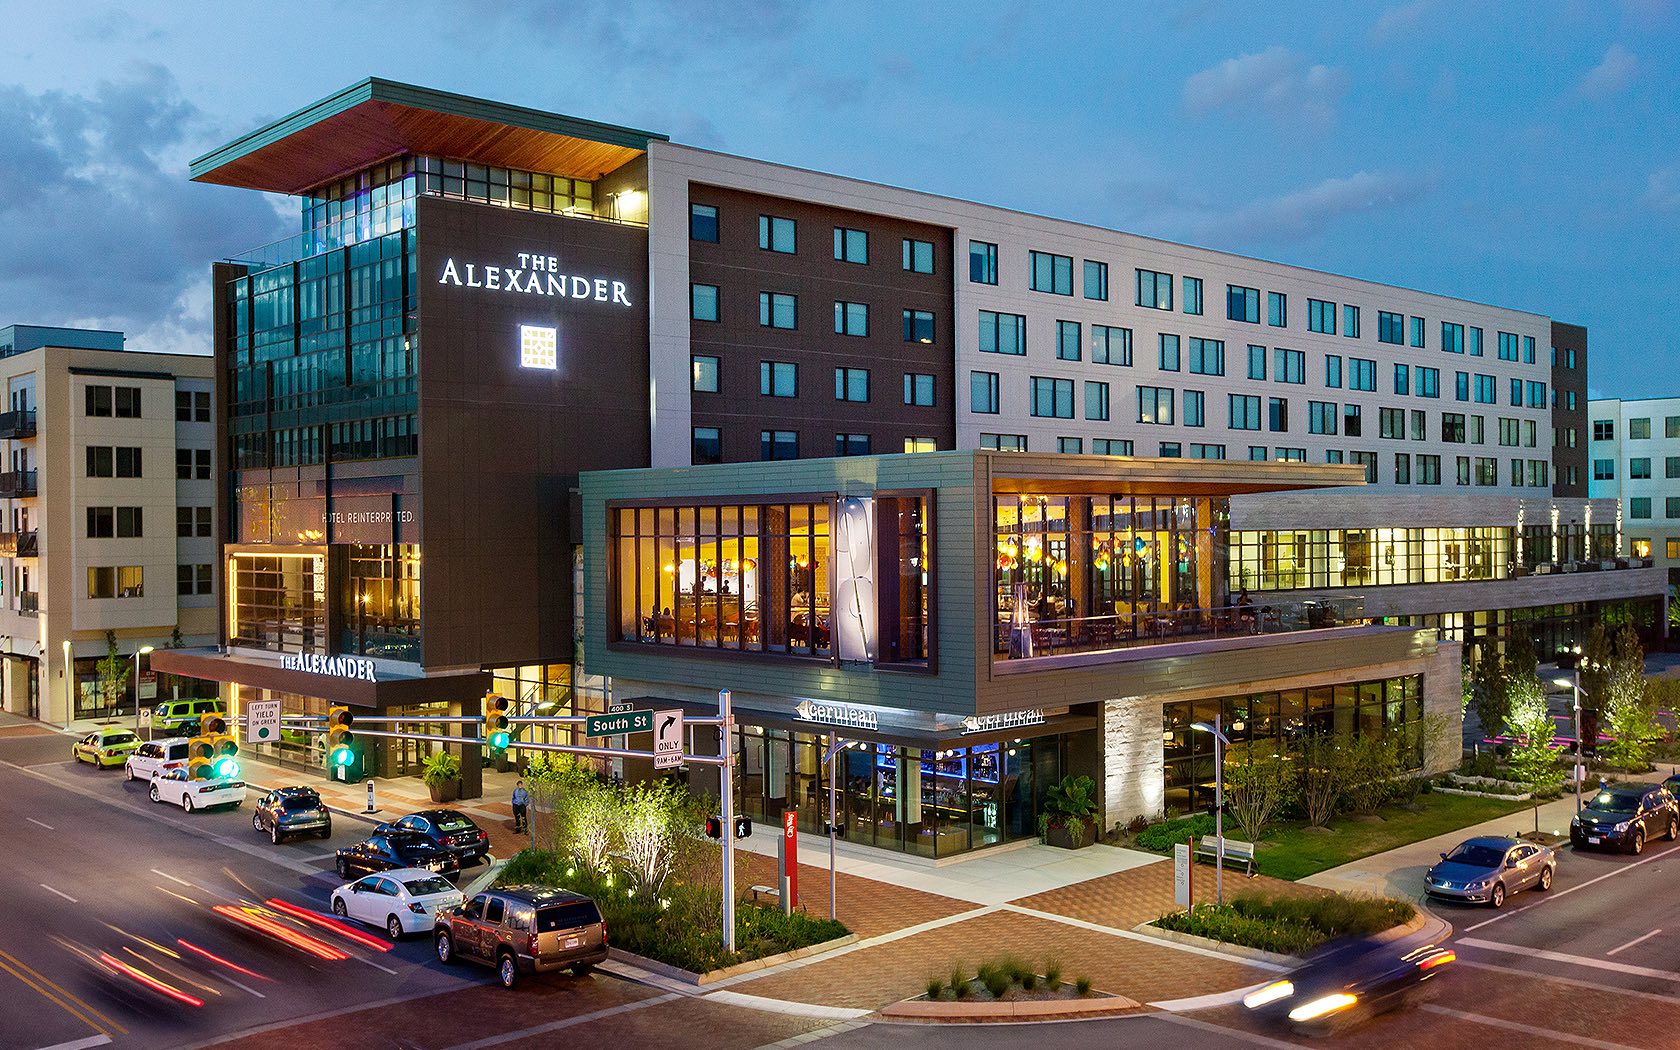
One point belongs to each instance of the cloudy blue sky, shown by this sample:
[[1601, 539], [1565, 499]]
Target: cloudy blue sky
[[1449, 145]]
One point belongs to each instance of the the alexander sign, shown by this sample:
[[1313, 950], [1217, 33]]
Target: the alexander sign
[[335, 666], [534, 274]]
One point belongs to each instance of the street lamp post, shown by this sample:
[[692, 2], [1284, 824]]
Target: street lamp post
[[1219, 745], [1574, 683], [69, 684], [138, 653]]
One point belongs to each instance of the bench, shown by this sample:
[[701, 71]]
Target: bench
[[770, 891], [1234, 851]]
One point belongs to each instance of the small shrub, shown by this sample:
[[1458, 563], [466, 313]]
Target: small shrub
[[958, 982], [1053, 974], [935, 988], [996, 982], [962, 990], [1137, 824], [1015, 968], [1082, 985], [1163, 837], [1029, 982], [1480, 764]]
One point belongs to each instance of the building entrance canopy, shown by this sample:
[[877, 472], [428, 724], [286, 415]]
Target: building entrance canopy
[[340, 680]]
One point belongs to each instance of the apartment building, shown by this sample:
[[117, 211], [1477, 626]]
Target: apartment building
[[1635, 462], [109, 499]]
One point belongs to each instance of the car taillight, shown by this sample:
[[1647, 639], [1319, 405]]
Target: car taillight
[[447, 840], [418, 909], [1437, 960], [531, 944], [603, 933]]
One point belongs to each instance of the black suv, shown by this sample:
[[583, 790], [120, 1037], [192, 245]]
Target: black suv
[[289, 811], [390, 847], [450, 830], [1625, 816]]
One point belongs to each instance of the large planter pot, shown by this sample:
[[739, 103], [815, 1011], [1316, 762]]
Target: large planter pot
[[445, 791], [1059, 837]]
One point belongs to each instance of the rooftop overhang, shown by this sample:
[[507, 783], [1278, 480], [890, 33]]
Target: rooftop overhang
[[265, 671], [1064, 475], [376, 120]]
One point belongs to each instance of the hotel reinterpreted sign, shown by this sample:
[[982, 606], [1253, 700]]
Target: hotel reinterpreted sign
[[534, 275], [333, 666]]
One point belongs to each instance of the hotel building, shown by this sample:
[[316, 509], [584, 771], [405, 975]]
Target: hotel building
[[1635, 464]]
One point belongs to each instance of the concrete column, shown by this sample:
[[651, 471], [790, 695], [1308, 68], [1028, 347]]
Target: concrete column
[[471, 755]]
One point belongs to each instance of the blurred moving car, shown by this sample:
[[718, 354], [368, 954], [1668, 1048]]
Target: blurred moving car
[[1347, 982], [289, 811], [523, 930], [175, 786], [1625, 816], [156, 756], [393, 847], [105, 748], [402, 900], [451, 830], [1489, 868]]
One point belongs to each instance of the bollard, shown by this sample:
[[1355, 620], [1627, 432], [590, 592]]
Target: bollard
[[370, 808]]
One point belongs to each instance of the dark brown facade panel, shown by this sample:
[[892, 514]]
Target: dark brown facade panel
[[1569, 464]]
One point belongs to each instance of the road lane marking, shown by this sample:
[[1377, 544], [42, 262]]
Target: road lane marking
[[242, 987], [1555, 894], [1526, 1029], [375, 965], [81, 1044], [1630, 944], [1573, 960], [555, 1026], [18, 968], [172, 878], [49, 827], [1573, 982], [61, 893]]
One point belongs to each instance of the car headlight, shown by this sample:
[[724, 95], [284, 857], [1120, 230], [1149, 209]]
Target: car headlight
[[1622, 826], [1269, 994], [1477, 885], [1323, 1005]]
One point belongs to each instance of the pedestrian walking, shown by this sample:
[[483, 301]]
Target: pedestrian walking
[[521, 802]]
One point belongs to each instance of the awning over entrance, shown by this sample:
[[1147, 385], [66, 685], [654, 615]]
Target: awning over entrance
[[340, 680]]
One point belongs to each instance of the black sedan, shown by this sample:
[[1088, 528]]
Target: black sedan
[[390, 847], [451, 830], [1348, 981], [289, 811], [1626, 816]]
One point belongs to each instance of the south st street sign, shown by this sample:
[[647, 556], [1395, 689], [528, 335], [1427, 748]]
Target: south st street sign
[[535, 275]]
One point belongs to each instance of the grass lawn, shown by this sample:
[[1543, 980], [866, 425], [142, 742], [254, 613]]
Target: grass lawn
[[1292, 852]]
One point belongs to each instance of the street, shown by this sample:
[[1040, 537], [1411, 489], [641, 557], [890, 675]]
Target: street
[[100, 873]]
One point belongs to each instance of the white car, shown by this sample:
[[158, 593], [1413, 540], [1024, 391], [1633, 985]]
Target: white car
[[156, 756], [175, 786], [403, 900]]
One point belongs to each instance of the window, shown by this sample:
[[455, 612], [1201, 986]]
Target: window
[[1362, 374], [1154, 290], [1322, 417], [1050, 273], [1487, 390], [1671, 467], [1192, 295], [1639, 468], [1603, 430], [1516, 392], [1478, 430], [1111, 346], [776, 234], [1487, 471], [983, 393], [1674, 550], [1402, 379], [1531, 430], [1111, 446], [918, 256], [1333, 455], [192, 521], [1003, 333], [1155, 405], [1402, 468], [1096, 401], [103, 461], [1245, 412], [1052, 397], [1452, 337], [982, 262], [1671, 507], [702, 223], [116, 581], [1167, 359], [1004, 442], [851, 319], [1291, 455], [1289, 366], [122, 402], [778, 310], [1461, 386], [1171, 450], [1507, 346], [192, 406], [1068, 340], [101, 522], [1321, 316], [1639, 429], [778, 379], [1096, 280], [1639, 507], [1452, 427], [1207, 451], [1072, 446], [1277, 309], [1350, 321], [918, 326], [1390, 328], [851, 444], [1368, 460], [1571, 401], [1510, 432], [705, 374], [1195, 408], [778, 444], [1429, 382], [920, 444], [851, 246], [1207, 356], [918, 389], [1242, 304], [1420, 425], [1351, 423], [1475, 342], [1332, 370], [1429, 469], [1417, 332], [1671, 426], [1256, 362], [1277, 415], [703, 302], [1463, 465], [1536, 394], [190, 464], [1259, 453], [851, 384], [1391, 423], [1528, 349], [192, 579]]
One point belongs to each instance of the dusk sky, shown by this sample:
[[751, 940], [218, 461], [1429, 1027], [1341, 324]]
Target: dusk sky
[[1531, 161]]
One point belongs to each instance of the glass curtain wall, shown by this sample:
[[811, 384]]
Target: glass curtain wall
[[277, 601], [1295, 560], [379, 601]]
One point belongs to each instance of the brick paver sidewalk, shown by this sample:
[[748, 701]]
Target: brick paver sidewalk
[[1127, 898]]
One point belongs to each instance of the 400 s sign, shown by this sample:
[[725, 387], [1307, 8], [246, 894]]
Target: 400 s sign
[[535, 275]]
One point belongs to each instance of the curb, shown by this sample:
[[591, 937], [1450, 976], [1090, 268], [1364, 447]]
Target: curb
[[1031, 1010], [1243, 953], [689, 977]]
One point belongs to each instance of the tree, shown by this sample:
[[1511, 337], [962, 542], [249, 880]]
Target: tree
[[1533, 759], [655, 821], [113, 672], [1629, 714], [1594, 670], [1369, 762], [1320, 777], [1257, 789], [1489, 697]]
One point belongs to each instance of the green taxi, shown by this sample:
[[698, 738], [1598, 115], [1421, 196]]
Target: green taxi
[[106, 748]]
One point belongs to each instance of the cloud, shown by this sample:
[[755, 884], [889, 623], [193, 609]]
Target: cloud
[[1297, 215], [1612, 75], [1275, 81], [103, 226], [1662, 190], [1400, 20]]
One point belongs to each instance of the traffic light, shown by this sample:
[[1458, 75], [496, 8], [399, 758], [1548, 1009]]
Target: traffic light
[[496, 722], [201, 754], [339, 737], [224, 764], [714, 827], [743, 827]]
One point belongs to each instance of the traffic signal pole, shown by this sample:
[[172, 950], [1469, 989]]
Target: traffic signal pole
[[727, 750]]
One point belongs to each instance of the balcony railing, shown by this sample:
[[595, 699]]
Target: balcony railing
[[17, 484], [1090, 634], [17, 424], [20, 544], [29, 603]]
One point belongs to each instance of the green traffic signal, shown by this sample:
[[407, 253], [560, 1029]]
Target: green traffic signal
[[342, 756], [500, 739], [225, 768]]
